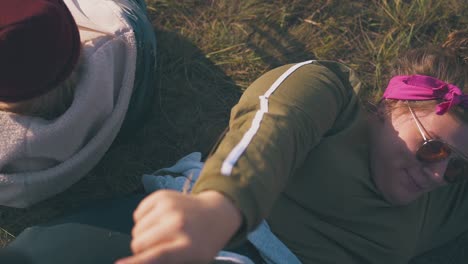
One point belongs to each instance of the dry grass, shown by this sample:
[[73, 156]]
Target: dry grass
[[211, 50]]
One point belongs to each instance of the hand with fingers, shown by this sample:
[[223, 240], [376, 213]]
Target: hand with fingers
[[172, 227]]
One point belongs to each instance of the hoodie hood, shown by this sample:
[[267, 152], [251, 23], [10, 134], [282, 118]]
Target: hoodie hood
[[40, 158]]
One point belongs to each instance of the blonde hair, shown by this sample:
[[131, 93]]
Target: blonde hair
[[448, 63], [51, 104]]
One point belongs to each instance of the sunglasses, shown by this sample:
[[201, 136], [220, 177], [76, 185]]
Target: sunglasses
[[435, 150]]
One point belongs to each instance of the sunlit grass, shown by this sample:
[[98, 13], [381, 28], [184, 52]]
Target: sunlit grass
[[5, 237]]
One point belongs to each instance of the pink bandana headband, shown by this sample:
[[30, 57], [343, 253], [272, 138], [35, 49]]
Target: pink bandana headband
[[421, 87]]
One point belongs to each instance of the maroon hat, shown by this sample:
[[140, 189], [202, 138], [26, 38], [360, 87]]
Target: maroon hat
[[39, 47]]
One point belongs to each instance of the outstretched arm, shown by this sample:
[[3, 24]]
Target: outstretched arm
[[171, 227], [271, 130]]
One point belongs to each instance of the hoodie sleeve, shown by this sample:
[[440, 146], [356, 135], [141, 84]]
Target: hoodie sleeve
[[277, 121]]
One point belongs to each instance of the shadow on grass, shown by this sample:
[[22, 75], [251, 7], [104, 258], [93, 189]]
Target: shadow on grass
[[276, 46], [191, 109]]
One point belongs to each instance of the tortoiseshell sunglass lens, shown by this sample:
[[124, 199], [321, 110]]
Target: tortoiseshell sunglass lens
[[433, 151]]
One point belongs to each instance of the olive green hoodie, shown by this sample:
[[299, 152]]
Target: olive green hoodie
[[296, 153]]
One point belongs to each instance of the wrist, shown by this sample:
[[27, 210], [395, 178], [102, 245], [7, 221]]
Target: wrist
[[224, 210]]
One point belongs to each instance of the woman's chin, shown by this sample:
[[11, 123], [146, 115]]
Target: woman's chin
[[399, 197]]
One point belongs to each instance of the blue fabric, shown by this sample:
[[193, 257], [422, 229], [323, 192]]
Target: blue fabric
[[174, 178], [272, 250], [184, 173]]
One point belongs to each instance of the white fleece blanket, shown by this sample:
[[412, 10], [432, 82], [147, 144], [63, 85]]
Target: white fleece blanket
[[40, 158]]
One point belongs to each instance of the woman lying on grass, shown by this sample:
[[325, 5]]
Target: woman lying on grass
[[71, 72], [337, 182]]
